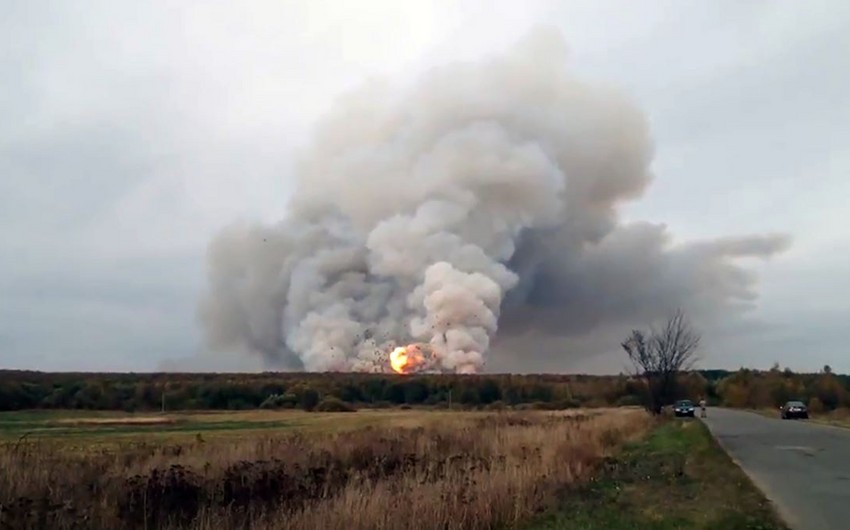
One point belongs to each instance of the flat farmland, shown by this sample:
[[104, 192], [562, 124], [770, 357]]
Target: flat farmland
[[111, 427], [270, 469]]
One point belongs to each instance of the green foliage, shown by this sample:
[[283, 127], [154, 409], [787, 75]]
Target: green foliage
[[21, 390], [332, 404], [308, 399], [489, 391], [415, 391], [629, 401], [497, 405], [278, 401], [567, 403]]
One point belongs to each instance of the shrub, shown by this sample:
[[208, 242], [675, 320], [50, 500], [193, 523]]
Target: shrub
[[308, 399], [496, 405], [270, 402], [537, 405], [629, 401], [285, 401], [332, 404], [568, 403], [238, 404]]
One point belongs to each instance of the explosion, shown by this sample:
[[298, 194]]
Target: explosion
[[407, 359], [473, 215]]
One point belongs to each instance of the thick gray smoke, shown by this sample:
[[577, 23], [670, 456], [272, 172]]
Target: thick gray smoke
[[482, 200]]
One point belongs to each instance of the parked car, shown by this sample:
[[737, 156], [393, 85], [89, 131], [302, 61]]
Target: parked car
[[794, 409], [683, 407]]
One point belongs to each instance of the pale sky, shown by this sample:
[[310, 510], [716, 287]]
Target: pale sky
[[131, 132]]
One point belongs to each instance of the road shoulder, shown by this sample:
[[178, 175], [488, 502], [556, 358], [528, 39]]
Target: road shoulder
[[677, 478], [762, 485]]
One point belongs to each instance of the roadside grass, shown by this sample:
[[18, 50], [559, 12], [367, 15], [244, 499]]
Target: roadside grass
[[838, 417], [677, 478]]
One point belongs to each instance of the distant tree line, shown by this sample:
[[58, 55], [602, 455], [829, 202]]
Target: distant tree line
[[823, 391], [174, 391], [326, 391]]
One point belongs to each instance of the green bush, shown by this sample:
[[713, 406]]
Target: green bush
[[332, 404], [629, 401], [271, 402], [309, 399], [275, 401], [568, 403]]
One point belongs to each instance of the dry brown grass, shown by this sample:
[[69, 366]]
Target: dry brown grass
[[130, 420], [464, 472], [838, 417]]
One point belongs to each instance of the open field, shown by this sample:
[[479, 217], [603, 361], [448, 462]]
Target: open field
[[677, 478], [98, 428], [441, 469]]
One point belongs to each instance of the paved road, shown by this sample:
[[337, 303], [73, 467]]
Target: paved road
[[803, 467]]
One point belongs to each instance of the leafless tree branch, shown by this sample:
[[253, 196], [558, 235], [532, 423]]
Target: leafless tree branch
[[659, 355]]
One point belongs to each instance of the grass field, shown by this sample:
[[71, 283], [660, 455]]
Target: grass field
[[107, 427], [296, 470], [677, 478]]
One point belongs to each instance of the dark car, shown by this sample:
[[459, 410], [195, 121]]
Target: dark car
[[684, 407], [794, 409]]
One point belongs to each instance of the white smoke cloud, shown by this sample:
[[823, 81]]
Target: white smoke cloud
[[479, 202]]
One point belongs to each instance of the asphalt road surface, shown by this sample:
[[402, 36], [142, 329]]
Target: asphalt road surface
[[803, 467]]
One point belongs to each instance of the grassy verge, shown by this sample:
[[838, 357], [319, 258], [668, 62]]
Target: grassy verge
[[677, 478]]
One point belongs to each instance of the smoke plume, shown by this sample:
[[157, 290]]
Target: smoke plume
[[480, 202]]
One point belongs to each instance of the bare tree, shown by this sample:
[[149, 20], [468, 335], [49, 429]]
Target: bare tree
[[659, 355]]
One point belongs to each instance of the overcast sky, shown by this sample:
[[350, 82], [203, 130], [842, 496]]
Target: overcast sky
[[131, 132]]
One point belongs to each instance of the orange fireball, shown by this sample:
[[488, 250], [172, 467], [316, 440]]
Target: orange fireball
[[406, 359]]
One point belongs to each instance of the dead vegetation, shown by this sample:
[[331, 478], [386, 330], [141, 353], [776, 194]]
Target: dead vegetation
[[465, 473], [678, 477], [131, 420]]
